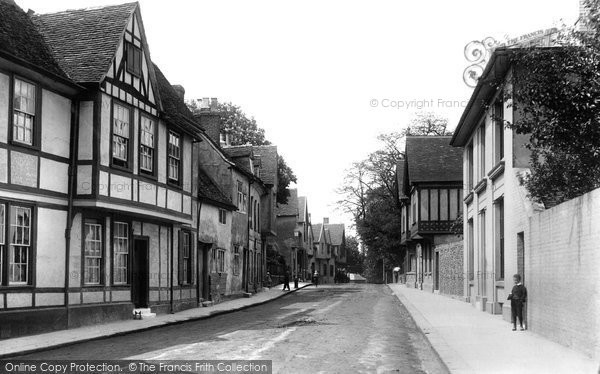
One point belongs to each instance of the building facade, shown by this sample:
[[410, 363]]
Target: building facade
[[430, 195], [100, 151], [496, 205]]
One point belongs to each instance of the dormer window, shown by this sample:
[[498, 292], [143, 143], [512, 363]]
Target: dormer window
[[134, 60], [224, 138]]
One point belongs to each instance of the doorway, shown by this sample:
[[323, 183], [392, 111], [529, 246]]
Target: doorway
[[140, 265], [202, 270], [436, 269]]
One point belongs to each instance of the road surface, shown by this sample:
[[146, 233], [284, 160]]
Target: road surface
[[350, 328]]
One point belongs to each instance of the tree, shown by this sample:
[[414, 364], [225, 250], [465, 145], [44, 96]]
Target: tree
[[243, 130], [428, 123], [285, 176], [555, 94], [369, 193], [355, 259]]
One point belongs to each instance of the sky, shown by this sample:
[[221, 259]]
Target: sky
[[324, 78]]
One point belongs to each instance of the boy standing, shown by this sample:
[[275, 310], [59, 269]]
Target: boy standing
[[517, 297]]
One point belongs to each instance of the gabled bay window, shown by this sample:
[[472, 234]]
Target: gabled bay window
[[174, 158], [121, 135], [24, 112], [147, 144]]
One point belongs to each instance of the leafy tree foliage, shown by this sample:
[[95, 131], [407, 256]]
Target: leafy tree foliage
[[555, 94], [242, 130], [355, 259], [369, 193]]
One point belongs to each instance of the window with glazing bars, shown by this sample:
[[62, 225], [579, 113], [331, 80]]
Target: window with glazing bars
[[147, 144], [23, 112]]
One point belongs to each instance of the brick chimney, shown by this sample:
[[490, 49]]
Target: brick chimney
[[180, 90], [210, 118], [326, 221]]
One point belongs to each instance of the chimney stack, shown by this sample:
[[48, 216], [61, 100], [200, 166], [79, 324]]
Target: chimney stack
[[326, 221], [180, 90]]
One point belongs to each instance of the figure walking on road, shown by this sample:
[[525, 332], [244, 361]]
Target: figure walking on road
[[517, 297], [316, 278], [286, 281]]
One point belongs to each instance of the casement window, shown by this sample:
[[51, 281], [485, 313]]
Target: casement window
[[220, 260], [185, 258], [242, 198], [20, 245], [331, 270], [174, 157], [121, 135], [222, 216], [120, 253], [134, 60], [236, 260], [93, 250], [24, 112], [498, 131], [147, 144]]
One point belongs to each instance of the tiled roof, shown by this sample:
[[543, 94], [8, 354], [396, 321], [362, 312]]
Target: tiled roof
[[268, 157], [209, 190], [433, 159], [400, 168], [291, 208], [20, 38], [84, 41], [174, 108], [301, 208], [317, 232], [336, 231]]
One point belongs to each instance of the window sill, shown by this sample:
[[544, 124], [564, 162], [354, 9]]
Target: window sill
[[481, 186], [32, 147], [469, 198], [170, 183], [496, 171], [500, 283]]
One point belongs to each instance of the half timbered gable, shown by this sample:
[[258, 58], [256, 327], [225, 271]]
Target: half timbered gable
[[130, 77]]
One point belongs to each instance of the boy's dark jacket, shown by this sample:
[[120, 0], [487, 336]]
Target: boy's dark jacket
[[519, 292]]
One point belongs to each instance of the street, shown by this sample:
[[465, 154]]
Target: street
[[334, 329]]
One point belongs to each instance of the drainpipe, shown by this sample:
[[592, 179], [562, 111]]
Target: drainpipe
[[249, 211], [172, 310], [198, 254], [71, 191]]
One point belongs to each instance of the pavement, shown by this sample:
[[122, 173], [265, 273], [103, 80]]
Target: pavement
[[42, 342], [332, 328], [470, 341]]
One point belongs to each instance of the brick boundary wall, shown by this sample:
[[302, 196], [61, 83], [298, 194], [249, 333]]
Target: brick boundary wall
[[451, 268], [562, 273]]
